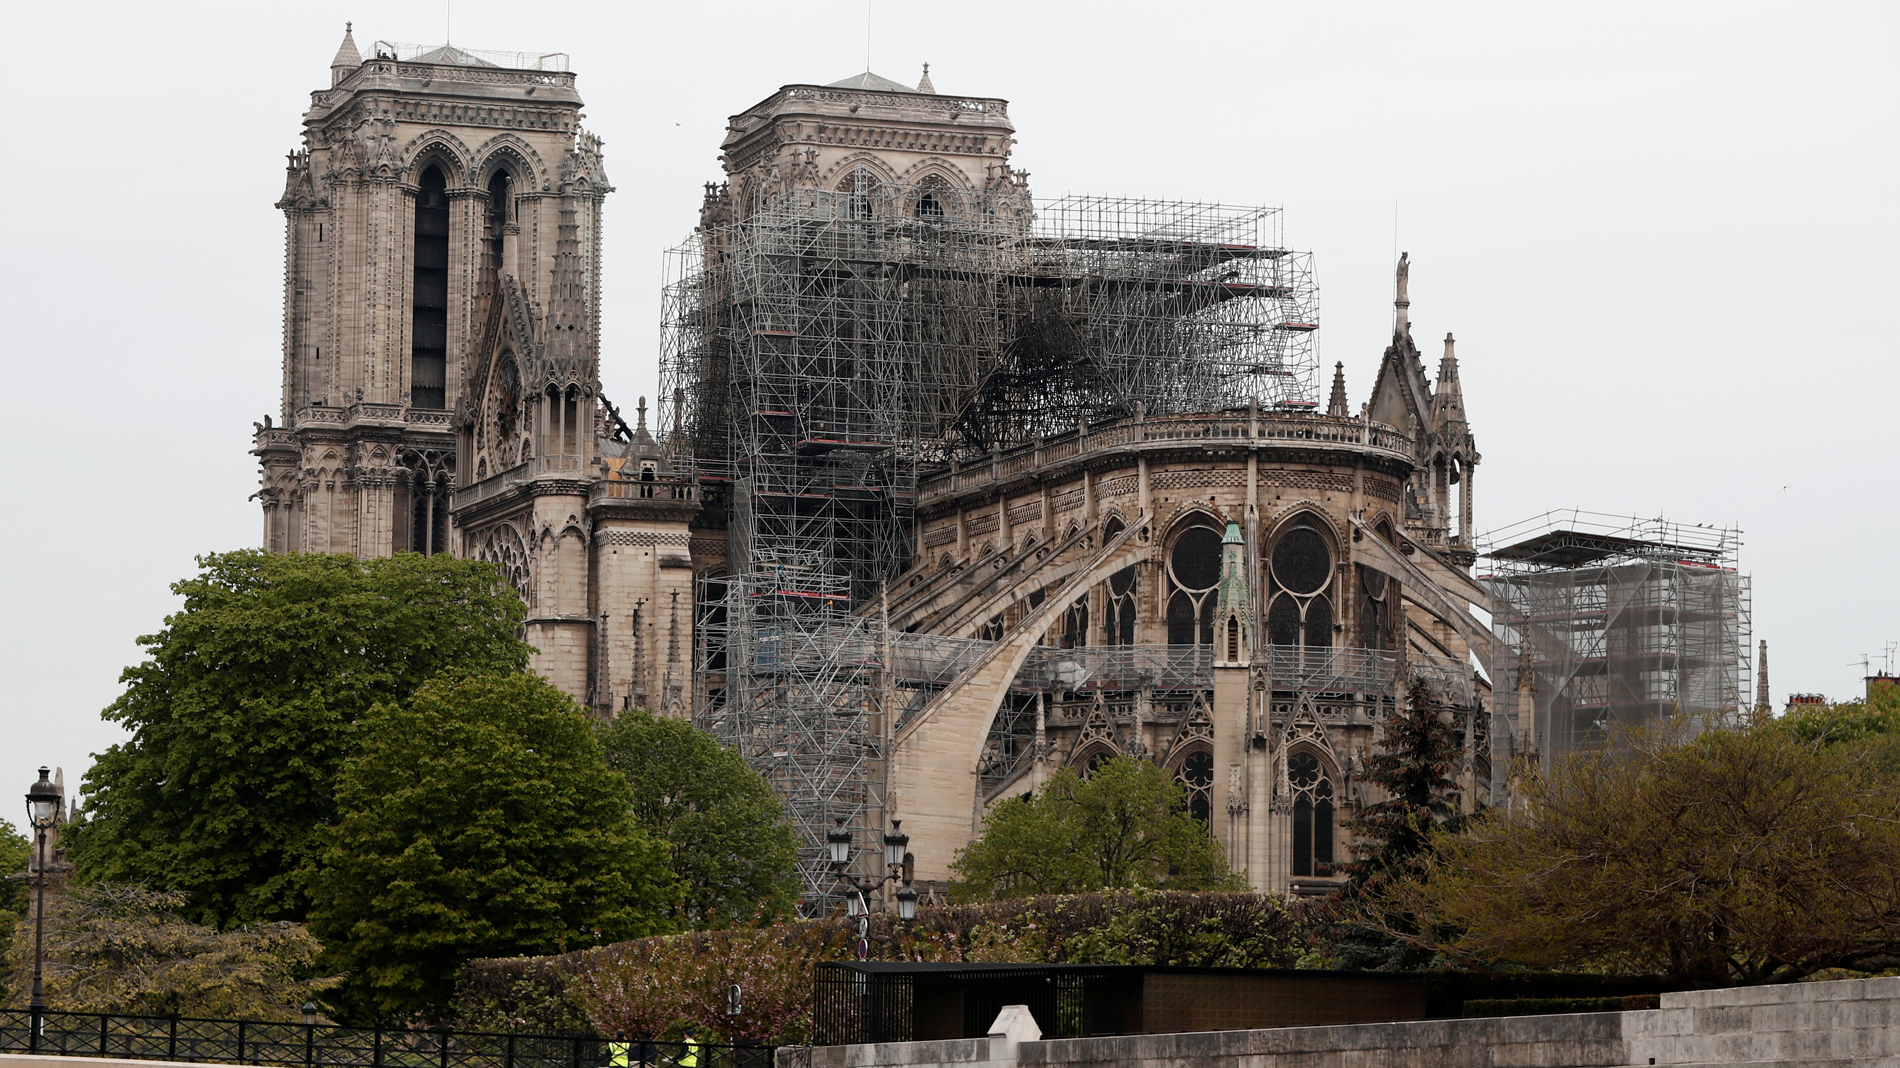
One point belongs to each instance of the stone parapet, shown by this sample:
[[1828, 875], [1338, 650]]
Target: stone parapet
[[1854, 1021]]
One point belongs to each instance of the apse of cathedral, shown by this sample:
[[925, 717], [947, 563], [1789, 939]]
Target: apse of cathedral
[[947, 488]]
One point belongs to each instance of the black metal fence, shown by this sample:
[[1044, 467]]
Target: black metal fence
[[289, 1045]]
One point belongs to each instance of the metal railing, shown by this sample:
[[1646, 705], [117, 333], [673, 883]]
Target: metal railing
[[288, 1045]]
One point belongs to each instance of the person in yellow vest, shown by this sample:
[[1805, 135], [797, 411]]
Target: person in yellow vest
[[690, 1058], [617, 1051]]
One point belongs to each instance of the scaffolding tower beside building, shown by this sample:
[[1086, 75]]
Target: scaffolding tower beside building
[[1603, 624]]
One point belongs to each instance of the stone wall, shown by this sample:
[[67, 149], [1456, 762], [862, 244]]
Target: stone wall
[[1850, 1022]]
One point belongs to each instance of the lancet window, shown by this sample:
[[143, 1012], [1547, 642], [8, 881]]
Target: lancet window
[[1312, 816], [429, 305]]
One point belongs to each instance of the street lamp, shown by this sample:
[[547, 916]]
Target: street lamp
[[895, 842], [838, 840], [897, 859], [42, 809]]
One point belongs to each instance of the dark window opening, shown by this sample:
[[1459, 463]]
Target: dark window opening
[[1197, 774], [1196, 559], [1118, 612], [1283, 622], [1312, 816], [428, 521], [1076, 633], [709, 627], [429, 315], [1376, 609], [500, 211], [1180, 620], [1319, 624], [1301, 561], [929, 206]]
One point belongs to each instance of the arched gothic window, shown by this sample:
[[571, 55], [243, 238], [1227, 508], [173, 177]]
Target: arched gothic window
[[1193, 572], [1197, 774], [1378, 608], [1299, 578], [933, 201], [501, 212], [429, 304], [858, 187], [1075, 629], [1118, 608], [1312, 816]]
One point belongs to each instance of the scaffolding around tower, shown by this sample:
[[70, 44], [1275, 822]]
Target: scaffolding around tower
[[823, 349], [1622, 624]]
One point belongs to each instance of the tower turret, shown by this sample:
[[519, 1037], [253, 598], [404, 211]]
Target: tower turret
[[347, 57]]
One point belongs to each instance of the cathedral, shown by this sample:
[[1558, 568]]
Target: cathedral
[[946, 488]]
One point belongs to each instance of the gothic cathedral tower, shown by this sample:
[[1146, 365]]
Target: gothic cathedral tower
[[441, 339]]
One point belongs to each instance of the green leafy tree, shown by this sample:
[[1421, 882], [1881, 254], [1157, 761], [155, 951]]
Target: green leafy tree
[[1874, 721], [479, 819], [1731, 858], [245, 708], [732, 856], [127, 950], [1125, 825], [15, 851]]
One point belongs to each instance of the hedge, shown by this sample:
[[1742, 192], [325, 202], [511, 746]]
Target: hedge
[[656, 986]]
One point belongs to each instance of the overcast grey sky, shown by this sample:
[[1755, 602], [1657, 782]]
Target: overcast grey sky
[[1665, 235]]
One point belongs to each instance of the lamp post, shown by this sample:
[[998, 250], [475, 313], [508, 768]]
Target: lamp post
[[42, 809], [900, 864]]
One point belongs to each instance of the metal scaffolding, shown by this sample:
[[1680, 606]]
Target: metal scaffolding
[[1628, 623], [824, 348]]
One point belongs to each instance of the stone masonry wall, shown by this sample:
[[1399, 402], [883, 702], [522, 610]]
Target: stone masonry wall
[[1850, 1022]]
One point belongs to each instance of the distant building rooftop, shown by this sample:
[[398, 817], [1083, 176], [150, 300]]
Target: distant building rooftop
[[874, 82]]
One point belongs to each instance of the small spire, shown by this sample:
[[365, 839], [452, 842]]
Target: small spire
[[1337, 406], [1762, 700], [1448, 397], [641, 426], [925, 86], [348, 58]]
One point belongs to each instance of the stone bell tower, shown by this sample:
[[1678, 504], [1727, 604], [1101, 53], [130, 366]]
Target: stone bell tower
[[442, 237], [441, 387]]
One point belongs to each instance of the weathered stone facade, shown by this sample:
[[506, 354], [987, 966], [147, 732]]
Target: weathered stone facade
[[441, 363], [1234, 594]]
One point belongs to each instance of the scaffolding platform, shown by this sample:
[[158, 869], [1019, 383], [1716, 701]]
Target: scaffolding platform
[[1620, 624], [823, 349]]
